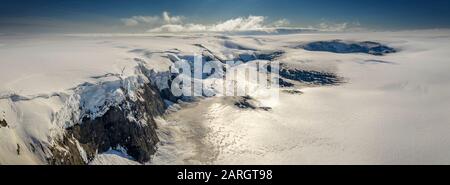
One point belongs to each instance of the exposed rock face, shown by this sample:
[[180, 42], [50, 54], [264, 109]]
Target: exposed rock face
[[66, 152], [244, 103], [130, 125], [305, 76], [166, 93], [292, 91], [3, 123], [247, 102], [310, 77], [284, 83], [339, 46], [260, 55]]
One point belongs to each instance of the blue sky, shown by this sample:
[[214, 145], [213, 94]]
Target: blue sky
[[106, 15]]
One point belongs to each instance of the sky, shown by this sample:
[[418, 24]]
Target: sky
[[215, 15]]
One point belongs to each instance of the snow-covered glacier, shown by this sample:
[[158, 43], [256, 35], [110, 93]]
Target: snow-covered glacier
[[370, 98]]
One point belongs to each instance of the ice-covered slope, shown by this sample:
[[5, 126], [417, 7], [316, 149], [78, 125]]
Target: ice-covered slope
[[51, 83], [68, 97], [391, 109], [60, 92]]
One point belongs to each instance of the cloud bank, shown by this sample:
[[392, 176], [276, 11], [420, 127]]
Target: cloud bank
[[232, 25], [165, 18], [167, 23]]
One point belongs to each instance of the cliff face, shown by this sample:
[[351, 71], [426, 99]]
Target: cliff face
[[130, 125]]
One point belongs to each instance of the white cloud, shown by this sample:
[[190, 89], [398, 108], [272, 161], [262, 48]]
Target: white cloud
[[130, 22], [168, 28], [333, 26], [281, 23], [136, 20], [168, 23], [338, 27], [180, 28], [171, 20], [152, 21], [236, 24], [240, 24]]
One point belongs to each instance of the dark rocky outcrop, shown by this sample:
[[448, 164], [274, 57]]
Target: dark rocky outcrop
[[310, 77], [339, 46], [115, 128], [292, 91], [378, 62], [284, 83], [18, 149], [66, 152], [271, 55], [305, 76], [3, 123], [259, 55], [247, 102], [244, 103]]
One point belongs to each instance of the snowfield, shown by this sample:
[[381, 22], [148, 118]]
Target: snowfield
[[385, 108]]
